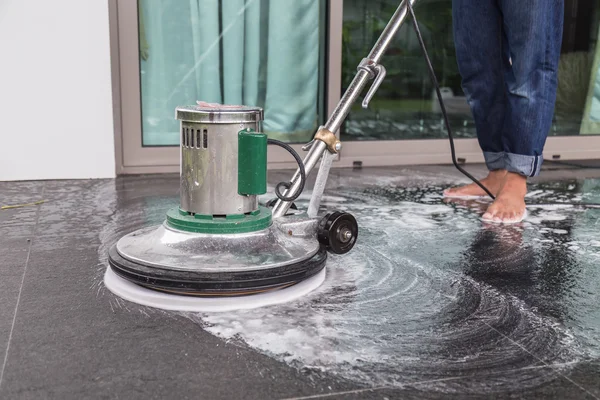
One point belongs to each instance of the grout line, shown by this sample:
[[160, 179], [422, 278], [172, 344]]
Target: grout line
[[12, 328], [377, 388], [540, 360], [322, 396], [413, 384], [443, 379], [522, 347]]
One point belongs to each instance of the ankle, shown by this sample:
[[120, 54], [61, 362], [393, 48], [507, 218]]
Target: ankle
[[497, 174], [515, 184], [516, 178]]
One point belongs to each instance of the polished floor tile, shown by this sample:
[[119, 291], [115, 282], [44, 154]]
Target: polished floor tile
[[431, 303]]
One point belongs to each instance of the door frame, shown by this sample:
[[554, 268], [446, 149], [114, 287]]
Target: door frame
[[133, 158]]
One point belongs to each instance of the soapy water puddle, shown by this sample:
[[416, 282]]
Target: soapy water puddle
[[430, 293]]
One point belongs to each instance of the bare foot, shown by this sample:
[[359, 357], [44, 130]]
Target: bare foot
[[493, 182], [509, 206]]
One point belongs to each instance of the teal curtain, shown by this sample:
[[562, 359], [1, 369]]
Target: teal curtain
[[253, 52]]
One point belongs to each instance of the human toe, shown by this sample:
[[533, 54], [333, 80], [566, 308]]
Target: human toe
[[489, 216]]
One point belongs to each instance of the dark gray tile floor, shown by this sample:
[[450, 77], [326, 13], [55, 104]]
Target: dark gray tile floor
[[430, 304]]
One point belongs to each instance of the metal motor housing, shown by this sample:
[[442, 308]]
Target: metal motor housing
[[218, 178]]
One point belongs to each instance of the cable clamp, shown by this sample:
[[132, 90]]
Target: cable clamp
[[329, 138]]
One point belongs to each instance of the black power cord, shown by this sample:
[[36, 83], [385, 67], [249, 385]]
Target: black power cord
[[434, 80], [288, 185], [447, 123], [441, 101]]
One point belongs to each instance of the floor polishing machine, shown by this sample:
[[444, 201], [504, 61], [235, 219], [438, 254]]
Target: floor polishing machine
[[219, 241]]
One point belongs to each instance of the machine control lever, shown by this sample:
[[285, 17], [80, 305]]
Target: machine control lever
[[308, 145], [376, 71]]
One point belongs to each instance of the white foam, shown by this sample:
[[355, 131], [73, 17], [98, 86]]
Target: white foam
[[152, 298], [551, 207], [374, 314]]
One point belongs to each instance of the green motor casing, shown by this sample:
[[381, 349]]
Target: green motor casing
[[252, 163]]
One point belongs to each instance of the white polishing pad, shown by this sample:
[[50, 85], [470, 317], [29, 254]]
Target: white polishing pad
[[152, 298]]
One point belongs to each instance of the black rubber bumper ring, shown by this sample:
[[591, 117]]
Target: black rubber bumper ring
[[198, 283]]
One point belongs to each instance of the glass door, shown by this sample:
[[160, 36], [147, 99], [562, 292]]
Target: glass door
[[295, 58], [266, 53], [405, 106], [404, 118]]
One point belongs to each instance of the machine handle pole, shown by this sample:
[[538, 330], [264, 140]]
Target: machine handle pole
[[343, 107]]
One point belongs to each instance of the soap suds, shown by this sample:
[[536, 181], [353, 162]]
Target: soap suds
[[429, 292]]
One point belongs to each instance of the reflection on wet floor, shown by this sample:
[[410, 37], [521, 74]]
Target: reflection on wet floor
[[433, 298]]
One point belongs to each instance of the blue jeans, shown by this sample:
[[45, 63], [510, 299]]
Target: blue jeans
[[508, 53]]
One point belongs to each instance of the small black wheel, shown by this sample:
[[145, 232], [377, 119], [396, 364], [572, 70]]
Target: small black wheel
[[271, 204], [338, 232]]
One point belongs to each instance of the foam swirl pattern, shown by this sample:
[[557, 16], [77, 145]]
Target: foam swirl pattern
[[432, 299]]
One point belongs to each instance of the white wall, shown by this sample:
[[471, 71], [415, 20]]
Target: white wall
[[56, 118]]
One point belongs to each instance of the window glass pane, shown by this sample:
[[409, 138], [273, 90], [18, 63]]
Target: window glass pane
[[591, 115], [251, 52], [405, 107]]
